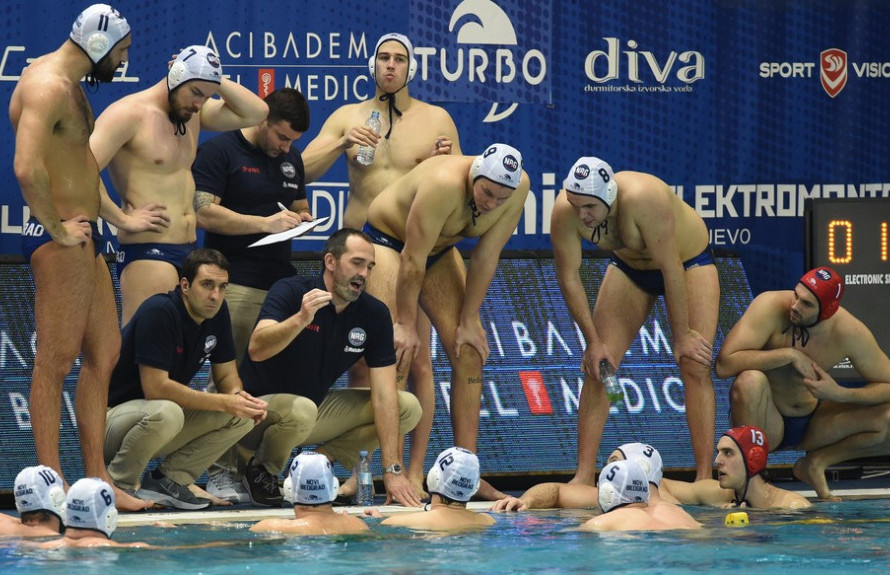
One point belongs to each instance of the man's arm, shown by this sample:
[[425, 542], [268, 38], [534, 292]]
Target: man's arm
[[705, 492], [219, 219], [237, 107], [385, 402], [654, 216], [156, 384], [42, 107], [744, 346], [270, 337], [487, 253]]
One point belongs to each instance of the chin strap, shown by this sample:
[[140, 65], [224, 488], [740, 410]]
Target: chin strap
[[178, 125], [798, 333], [390, 99], [602, 229], [474, 211]]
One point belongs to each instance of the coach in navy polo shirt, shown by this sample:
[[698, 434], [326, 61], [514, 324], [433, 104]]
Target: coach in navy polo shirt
[[309, 332], [153, 411]]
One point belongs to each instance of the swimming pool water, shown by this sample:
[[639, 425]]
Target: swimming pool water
[[846, 537]]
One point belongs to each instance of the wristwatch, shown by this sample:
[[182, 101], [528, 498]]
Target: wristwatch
[[395, 469]]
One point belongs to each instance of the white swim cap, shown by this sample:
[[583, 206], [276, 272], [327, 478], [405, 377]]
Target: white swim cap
[[592, 177], [39, 488], [647, 457], [90, 505], [502, 164], [98, 29], [194, 63], [622, 483], [404, 41], [455, 475], [313, 476]]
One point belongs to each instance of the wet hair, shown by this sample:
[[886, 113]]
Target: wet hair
[[289, 105], [336, 244], [200, 257], [41, 517]]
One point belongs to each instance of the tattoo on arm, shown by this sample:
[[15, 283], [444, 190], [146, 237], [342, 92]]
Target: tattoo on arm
[[474, 380], [203, 199]]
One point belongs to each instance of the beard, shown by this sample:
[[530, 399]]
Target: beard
[[105, 69]]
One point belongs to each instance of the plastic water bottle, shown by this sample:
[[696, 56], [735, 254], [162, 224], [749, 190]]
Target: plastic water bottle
[[366, 153], [614, 391], [364, 495]]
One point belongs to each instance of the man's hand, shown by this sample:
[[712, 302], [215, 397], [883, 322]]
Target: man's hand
[[77, 231], [281, 221], [399, 488], [823, 386], [802, 364], [149, 218], [246, 406], [313, 300], [472, 335], [442, 146], [694, 346], [361, 136], [509, 503], [593, 355], [407, 344]]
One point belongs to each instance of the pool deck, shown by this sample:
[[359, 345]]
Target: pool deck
[[876, 486]]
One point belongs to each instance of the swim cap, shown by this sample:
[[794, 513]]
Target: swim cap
[[313, 476], [752, 445], [90, 505], [194, 63], [404, 41], [647, 457], [39, 488], [98, 29], [502, 164], [827, 286], [454, 475], [622, 483], [592, 177]]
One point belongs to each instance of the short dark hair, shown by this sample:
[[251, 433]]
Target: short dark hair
[[289, 105], [200, 257], [40, 517], [336, 244]]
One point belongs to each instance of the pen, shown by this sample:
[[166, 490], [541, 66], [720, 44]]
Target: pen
[[280, 205]]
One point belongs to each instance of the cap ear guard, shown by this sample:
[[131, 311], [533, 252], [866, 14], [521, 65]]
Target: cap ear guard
[[57, 500], [111, 521], [97, 45], [476, 168]]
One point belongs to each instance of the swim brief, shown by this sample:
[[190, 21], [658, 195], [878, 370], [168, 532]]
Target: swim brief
[[390, 242], [35, 235], [173, 254], [652, 281], [795, 429]]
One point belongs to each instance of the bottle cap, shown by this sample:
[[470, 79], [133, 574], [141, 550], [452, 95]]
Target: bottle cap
[[362, 453], [737, 519]]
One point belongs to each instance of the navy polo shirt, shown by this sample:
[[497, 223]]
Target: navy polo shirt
[[163, 335], [249, 182], [325, 349]]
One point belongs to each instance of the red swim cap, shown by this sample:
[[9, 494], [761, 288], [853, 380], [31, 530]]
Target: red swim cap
[[827, 286], [753, 445]]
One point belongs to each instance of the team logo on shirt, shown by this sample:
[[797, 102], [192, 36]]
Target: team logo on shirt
[[288, 170], [209, 343], [357, 338]]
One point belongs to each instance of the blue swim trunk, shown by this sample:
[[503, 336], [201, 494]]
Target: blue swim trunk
[[795, 429], [173, 254], [651, 281], [390, 242], [35, 235]]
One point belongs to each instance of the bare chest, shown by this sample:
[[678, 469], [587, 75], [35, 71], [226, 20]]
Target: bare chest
[[157, 148]]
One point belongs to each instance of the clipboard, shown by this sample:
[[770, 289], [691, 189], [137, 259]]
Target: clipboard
[[302, 229]]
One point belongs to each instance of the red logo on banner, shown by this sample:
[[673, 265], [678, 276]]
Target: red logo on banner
[[266, 82], [833, 70], [536, 393]]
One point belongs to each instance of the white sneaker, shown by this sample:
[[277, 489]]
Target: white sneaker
[[227, 485]]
